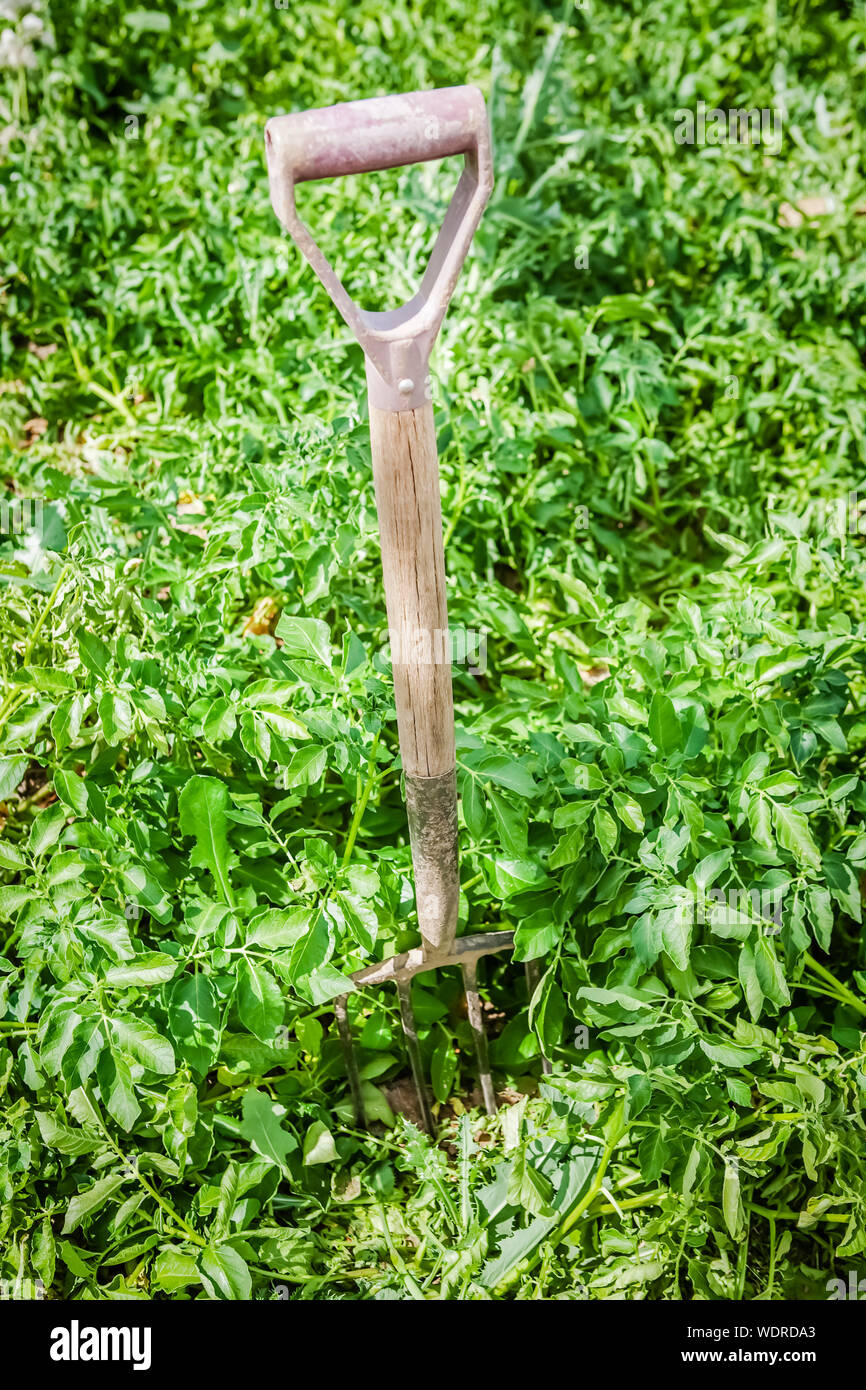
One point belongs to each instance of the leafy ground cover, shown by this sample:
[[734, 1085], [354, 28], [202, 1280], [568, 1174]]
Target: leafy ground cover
[[650, 405]]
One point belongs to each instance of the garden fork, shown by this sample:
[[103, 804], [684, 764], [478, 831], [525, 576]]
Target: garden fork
[[352, 138]]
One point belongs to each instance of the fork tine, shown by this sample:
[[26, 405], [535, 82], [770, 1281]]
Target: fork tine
[[407, 1017], [350, 1060], [533, 975], [476, 1023]]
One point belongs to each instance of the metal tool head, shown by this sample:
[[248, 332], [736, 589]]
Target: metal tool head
[[381, 133]]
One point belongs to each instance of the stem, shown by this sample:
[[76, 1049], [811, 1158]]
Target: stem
[[783, 1214], [43, 615], [166, 1206], [628, 1204], [847, 996], [362, 803]]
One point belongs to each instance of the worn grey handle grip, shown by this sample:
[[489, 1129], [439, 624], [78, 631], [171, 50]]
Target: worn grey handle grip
[[357, 137]]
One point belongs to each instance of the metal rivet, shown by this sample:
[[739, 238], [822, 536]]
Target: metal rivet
[[405, 386]]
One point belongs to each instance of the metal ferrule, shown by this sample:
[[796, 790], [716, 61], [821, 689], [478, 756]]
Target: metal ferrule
[[431, 805]]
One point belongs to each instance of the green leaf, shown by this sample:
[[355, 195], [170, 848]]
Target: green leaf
[[95, 654], [760, 822], [203, 804], [606, 833], [510, 822], [305, 637], [732, 1204], [71, 790], [47, 828], [194, 1021], [66, 1140], [325, 983], [306, 767], [43, 1253], [507, 772], [748, 977], [148, 22], [676, 925], [654, 1154], [664, 724], [319, 1146], [91, 1200], [173, 1270], [142, 1041], [568, 848], [66, 721], [709, 868], [771, 976], [527, 1187], [262, 1128], [278, 928], [116, 717], [628, 811], [511, 876], [116, 1089], [219, 723], [473, 806], [224, 1273], [149, 968], [259, 1000], [11, 899], [726, 1054], [819, 905], [11, 857], [443, 1067], [794, 835], [536, 935], [312, 950], [12, 771], [572, 813]]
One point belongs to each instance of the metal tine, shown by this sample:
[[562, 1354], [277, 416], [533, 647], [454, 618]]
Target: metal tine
[[533, 975], [407, 1017], [479, 1033], [350, 1060]]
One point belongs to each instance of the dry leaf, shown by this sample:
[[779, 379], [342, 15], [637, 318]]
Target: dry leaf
[[593, 674], [262, 619], [35, 427], [809, 207]]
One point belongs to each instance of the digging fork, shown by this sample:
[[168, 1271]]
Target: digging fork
[[352, 138]]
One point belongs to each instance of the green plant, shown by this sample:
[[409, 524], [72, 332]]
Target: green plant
[[660, 768]]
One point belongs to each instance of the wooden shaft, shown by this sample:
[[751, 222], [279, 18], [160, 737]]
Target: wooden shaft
[[406, 477]]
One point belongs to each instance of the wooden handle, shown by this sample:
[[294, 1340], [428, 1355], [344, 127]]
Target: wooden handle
[[406, 477]]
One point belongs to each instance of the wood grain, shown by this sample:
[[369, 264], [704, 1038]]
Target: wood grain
[[406, 477]]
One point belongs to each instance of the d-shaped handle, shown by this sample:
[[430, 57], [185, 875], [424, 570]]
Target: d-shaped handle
[[382, 133]]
